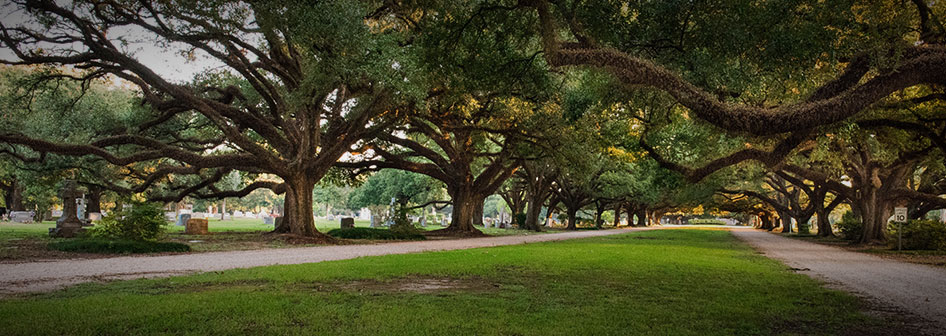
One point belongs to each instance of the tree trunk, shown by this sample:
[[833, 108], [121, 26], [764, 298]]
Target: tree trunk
[[599, 210], [617, 214], [824, 224], [630, 214], [13, 197], [478, 202], [802, 223], [641, 217], [874, 211], [93, 201], [297, 216], [465, 204], [532, 215], [786, 222], [766, 219], [572, 213], [223, 208]]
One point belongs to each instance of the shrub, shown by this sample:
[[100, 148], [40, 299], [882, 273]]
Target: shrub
[[521, 219], [373, 233], [402, 226], [850, 227], [920, 235], [143, 222], [710, 221], [117, 246]]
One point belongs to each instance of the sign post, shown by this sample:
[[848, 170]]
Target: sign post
[[900, 217]]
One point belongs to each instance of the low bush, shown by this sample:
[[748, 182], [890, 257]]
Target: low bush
[[372, 233], [850, 227], [920, 235], [142, 222], [708, 221], [117, 246], [521, 219]]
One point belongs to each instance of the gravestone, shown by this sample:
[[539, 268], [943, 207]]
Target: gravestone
[[94, 216], [182, 219], [21, 216], [423, 221], [196, 226], [269, 220], [347, 222], [443, 222], [375, 221], [80, 207], [69, 224]]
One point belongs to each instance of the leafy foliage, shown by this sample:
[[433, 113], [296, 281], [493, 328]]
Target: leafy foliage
[[850, 227], [920, 235], [143, 222], [372, 233]]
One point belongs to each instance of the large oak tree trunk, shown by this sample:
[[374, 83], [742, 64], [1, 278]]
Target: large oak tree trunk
[[572, 213], [802, 223], [599, 211], [297, 213], [533, 213], [93, 200], [874, 211], [478, 202], [786, 222], [766, 219], [465, 204], [617, 214], [13, 196], [824, 225], [641, 217]]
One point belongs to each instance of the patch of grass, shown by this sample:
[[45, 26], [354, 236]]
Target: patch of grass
[[116, 246], [672, 282], [373, 233]]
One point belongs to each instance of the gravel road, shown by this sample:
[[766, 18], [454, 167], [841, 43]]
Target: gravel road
[[918, 289], [46, 276]]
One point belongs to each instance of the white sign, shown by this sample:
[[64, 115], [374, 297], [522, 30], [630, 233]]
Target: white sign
[[900, 215]]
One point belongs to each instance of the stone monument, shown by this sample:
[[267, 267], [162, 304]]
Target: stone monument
[[182, 219], [196, 226], [69, 224], [347, 222]]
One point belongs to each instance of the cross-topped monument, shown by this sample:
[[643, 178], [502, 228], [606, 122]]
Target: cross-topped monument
[[69, 224]]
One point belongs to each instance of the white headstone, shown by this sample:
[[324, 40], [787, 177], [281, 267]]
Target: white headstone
[[21, 216]]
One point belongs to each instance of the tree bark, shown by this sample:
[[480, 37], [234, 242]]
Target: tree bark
[[599, 210], [532, 214], [93, 200], [786, 221], [572, 213], [641, 217], [13, 196], [617, 214], [874, 211], [478, 202], [297, 216], [766, 219], [803, 226], [824, 224], [223, 209]]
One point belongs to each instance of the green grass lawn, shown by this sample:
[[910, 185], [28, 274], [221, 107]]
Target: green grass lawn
[[28, 241], [666, 282]]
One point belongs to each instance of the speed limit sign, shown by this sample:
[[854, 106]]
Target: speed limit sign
[[900, 215]]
